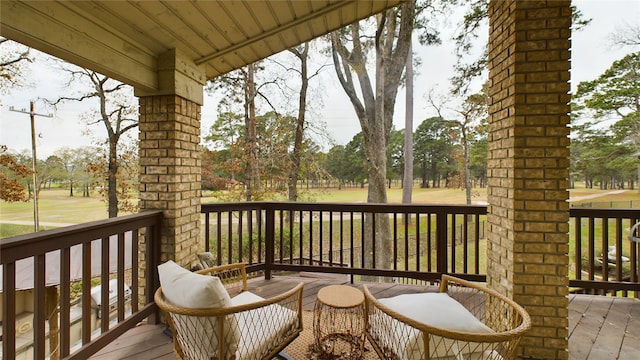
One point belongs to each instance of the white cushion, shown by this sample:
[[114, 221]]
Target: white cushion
[[437, 310], [184, 288], [263, 328]]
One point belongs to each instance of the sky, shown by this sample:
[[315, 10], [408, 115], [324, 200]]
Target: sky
[[592, 53]]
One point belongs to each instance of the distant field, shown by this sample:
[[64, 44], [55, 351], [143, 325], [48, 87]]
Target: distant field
[[56, 208]]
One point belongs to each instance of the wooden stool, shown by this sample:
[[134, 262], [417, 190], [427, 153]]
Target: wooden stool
[[338, 323]]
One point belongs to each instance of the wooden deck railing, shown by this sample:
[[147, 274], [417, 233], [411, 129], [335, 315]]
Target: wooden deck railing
[[426, 241], [604, 260], [42, 261]]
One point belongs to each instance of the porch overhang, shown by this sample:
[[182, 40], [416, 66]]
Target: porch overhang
[[128, 40]]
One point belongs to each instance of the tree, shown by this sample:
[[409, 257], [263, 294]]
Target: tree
[[71, 166], [356, 160], [114, 111], [407, 171], [433, 149], [471, 116], [13, 64], [336, 164], [12, 173], [396, 156], [627, 36], [391, 44], [474, 20], [241, 88], [125, 178], [612, 102], [302, 53]]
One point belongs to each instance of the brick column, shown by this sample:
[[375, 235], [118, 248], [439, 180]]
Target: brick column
[[528, 165], [170, 171], [169, 151]]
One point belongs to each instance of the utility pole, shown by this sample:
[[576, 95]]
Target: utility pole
[[33, 114]]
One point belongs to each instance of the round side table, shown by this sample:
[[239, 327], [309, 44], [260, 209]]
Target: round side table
[[338, 323]]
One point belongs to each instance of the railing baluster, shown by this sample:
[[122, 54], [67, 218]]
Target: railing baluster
[[39, 316], [441, 242], [406, 239], [250, 235], [605, 250], [104, 285], [618, 228], [219, 238], [300, 229], [207, 236], [291, 221], [330, 238], [374, 240], [351, 240], [281, 235], [418, 242], [453, 242], [320, 237], [465, 242], [65, 302], [240, 236], [429, 218], [269, 241], [362, 241], [86, 293], [477, 243], [120, 276], [134, 270], [577, 229], [591, 237], [394, 262], [260, 235], [230, 237]]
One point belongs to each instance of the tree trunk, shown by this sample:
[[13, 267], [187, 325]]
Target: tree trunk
[[467, 175], [112, 189], [252, 171], [407, 179], [297, 143], [375, 110]]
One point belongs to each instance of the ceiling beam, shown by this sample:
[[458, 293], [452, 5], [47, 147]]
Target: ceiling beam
[[59, 30]]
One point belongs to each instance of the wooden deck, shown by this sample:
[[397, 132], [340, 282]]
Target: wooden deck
[[600, 328]]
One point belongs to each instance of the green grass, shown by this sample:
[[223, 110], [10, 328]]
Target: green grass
[[57, 208]]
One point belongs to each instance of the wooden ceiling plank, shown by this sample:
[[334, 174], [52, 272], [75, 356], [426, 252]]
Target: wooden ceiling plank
[[53, 28], [180, 35], [261, 37], [206, 35], [125, 17]]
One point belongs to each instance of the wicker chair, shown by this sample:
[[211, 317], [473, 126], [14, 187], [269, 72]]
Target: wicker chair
[[474, 322], [252, 328]]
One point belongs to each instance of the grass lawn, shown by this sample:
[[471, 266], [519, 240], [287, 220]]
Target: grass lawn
[[57, 208]]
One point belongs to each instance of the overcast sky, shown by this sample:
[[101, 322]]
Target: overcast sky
[[592, 53]]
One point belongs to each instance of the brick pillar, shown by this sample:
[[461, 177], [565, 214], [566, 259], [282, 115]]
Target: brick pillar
[[170, 171], [169, 153], [528, 166]]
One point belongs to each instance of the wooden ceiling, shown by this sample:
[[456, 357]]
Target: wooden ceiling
[[124, 39]]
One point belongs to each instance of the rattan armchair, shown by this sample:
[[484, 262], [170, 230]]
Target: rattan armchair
[[251, 328], [475, 323]]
